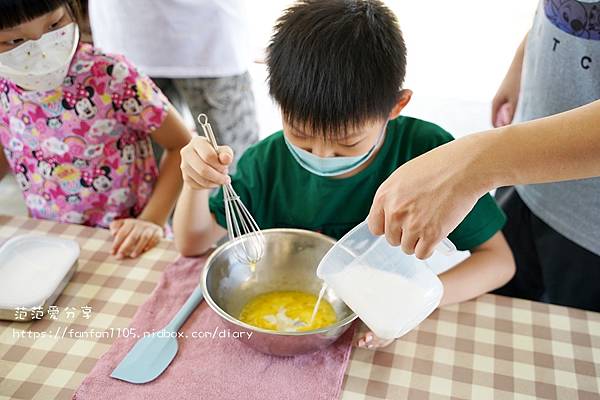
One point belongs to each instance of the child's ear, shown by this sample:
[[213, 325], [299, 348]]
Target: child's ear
[[403, 99]]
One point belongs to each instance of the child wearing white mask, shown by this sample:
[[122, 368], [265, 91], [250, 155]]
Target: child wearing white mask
[[335, 69], [75, 128]]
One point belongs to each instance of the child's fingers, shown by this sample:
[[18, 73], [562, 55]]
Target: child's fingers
[[129, 243], [208, 154], [196, 181], [207, 172], [153, 242], [365, 341], [120, 236], [201, 166], [202, 158], [503, 115], [193, 180], [199, 147], [225, 155], [370, 341], [155, 239], [142, 241], [115, 225]]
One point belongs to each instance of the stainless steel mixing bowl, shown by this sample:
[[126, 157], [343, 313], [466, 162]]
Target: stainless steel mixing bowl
[[289, 263]]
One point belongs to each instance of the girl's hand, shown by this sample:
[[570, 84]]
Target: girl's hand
[[133, 237], [370, 341], [505, 102], [202, 167]]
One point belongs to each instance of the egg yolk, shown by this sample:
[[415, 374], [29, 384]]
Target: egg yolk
[[287, 311]]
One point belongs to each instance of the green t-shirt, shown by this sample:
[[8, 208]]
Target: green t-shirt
[[281, 194]]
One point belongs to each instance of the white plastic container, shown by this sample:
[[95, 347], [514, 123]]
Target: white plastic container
[[33, 271], [390, 291]]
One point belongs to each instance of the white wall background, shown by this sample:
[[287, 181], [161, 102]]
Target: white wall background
[[458, 52]]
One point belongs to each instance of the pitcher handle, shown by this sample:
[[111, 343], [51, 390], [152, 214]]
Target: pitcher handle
[[445, 247]]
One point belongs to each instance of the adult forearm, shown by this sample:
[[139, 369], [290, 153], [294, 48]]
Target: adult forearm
[[564, 146]]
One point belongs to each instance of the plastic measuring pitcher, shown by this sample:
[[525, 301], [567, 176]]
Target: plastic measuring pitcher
[[390, 291]]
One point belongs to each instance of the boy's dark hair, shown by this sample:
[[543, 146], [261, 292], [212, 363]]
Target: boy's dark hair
[[15, 12], [336, 64]]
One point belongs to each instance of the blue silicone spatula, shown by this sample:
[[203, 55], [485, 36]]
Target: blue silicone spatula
[[152, 354]]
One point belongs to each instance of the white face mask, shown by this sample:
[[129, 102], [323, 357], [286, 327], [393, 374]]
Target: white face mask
[[41, 64]]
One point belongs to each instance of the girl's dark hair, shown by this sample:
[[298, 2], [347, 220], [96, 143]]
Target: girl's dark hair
[[336, 64], [15, 12]]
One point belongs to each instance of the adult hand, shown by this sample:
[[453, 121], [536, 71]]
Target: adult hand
[[425, 199]]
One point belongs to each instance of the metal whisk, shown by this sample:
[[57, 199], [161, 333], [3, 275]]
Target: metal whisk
[[241, 226]]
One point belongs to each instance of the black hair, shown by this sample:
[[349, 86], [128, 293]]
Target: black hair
[[16, 12], [336, 64]]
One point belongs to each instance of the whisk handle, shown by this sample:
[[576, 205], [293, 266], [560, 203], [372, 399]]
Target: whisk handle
[[208, 132]]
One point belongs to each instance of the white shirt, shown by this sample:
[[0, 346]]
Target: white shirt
[[175, 38]]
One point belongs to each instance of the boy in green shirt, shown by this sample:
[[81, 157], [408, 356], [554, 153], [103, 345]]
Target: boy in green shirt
[[336, 70]]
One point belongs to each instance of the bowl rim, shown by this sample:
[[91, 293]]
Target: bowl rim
[[223, 314]]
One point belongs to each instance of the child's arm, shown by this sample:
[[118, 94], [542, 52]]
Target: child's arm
[[134, 236], [172, 136], [490, 266], [4, 167], [504, 104], [195, 228]]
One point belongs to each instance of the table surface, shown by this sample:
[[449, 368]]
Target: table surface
[[491, 348]]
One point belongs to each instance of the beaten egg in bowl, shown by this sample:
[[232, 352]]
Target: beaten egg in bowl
[[287, 311]]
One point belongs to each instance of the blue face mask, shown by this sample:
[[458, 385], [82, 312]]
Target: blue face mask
[[330, 166]]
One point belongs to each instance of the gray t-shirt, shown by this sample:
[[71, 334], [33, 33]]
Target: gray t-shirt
[[561, 71]]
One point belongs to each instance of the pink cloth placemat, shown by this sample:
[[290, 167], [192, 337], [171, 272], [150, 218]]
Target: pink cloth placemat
[[214, 368]]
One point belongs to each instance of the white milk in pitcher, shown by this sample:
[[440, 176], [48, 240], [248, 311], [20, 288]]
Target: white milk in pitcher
[[386, 302], [391, 292]]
